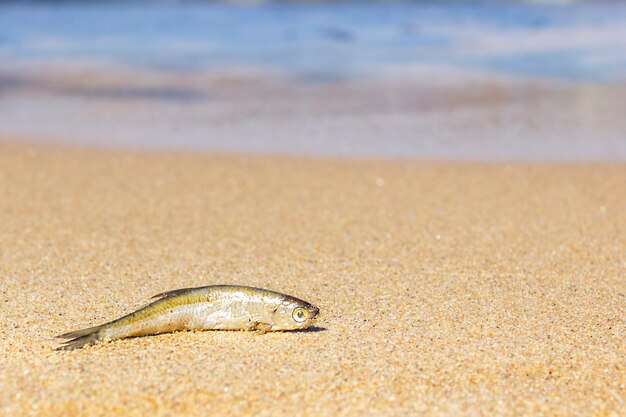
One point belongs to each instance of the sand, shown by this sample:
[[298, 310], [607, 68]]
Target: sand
[[445, 288]]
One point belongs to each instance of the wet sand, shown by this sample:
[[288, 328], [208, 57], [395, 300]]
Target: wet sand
[[416, 112], [445, 288]]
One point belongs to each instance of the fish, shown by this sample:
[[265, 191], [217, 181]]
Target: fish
[[213, 307]]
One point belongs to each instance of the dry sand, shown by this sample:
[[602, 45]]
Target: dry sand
[[445, 288]]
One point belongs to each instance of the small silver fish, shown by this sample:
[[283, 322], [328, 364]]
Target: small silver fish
[[214, 307]]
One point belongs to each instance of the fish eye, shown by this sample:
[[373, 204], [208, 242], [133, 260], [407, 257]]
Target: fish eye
[[300, 314]]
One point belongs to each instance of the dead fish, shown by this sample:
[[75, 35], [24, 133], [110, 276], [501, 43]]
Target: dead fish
[[214, 307]]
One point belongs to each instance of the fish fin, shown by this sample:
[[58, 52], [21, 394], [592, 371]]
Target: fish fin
[[173, 292], [80, 333], [259, 327], [87, 337]]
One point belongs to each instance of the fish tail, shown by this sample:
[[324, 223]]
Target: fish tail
[[81, 338], [80, 333]]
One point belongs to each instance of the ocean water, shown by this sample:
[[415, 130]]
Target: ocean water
[[577, 41], [495, 81]]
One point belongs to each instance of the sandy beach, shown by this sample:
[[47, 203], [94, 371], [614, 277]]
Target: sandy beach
[[445, 288]]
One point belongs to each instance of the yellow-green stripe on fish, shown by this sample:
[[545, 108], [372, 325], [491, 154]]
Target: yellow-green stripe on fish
[[214, 307]]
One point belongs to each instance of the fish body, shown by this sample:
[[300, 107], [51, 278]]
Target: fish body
[[215, 307]]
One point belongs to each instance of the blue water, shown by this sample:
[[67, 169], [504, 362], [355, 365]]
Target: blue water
[[586, 42]]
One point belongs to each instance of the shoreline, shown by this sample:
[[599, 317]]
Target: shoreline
[[399, 114], [30, 144]]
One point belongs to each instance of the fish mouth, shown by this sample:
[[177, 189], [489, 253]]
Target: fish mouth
[[314, 311]]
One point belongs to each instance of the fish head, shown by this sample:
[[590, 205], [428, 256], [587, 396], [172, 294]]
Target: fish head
[[293, 314]]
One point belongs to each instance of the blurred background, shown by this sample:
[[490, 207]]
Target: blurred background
[[494, 80]]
